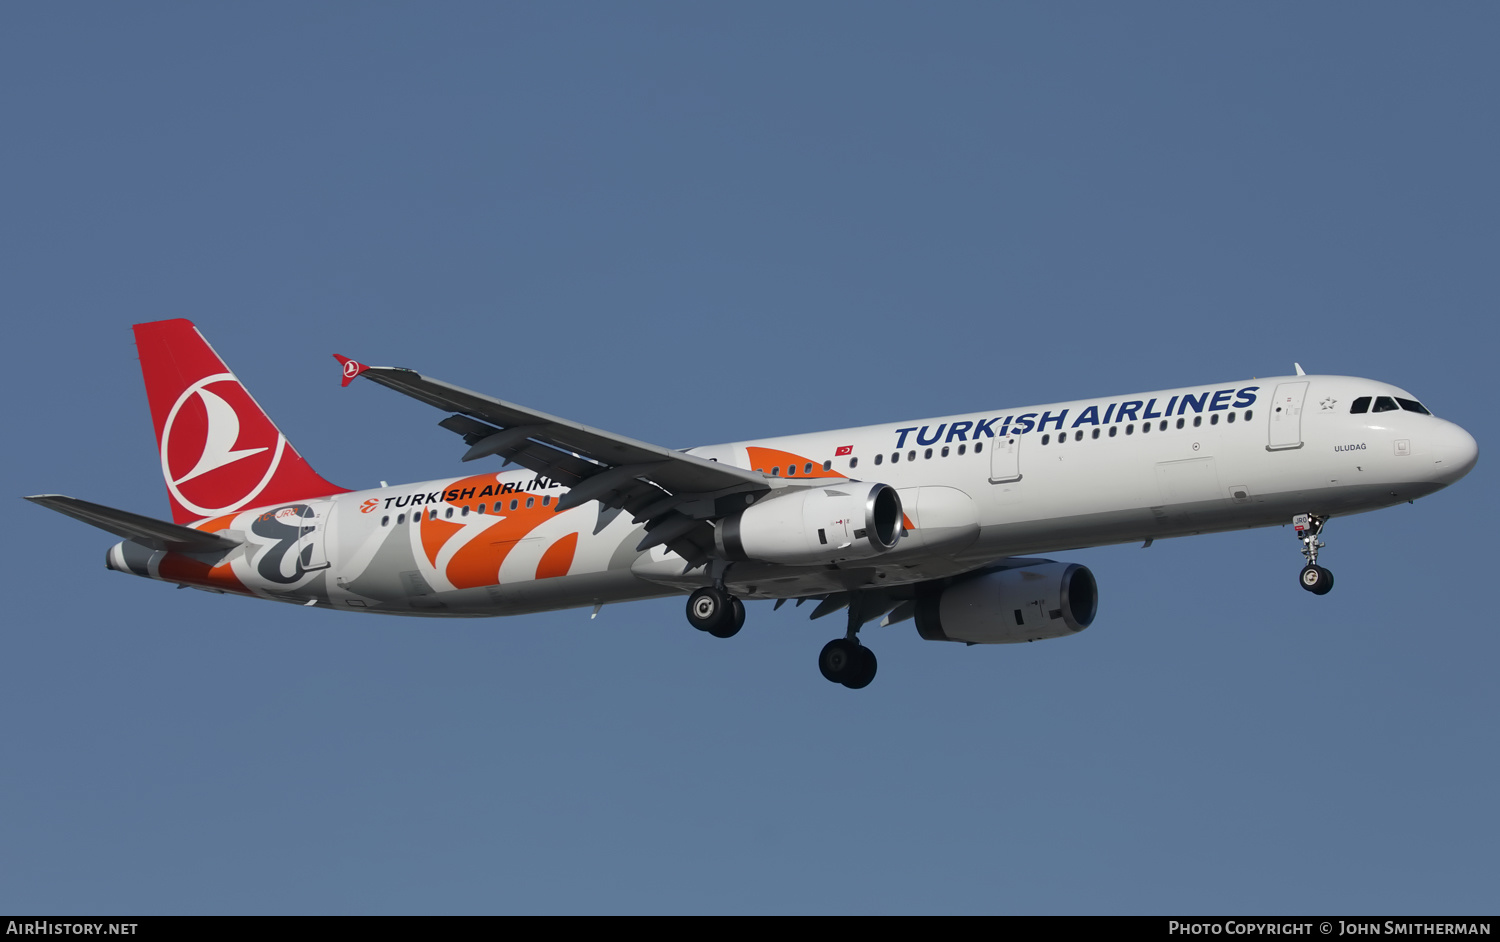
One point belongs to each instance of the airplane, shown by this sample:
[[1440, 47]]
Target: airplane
[[941, 521]]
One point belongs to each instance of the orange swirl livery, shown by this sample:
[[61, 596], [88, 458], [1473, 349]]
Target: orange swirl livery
[[940, 521]]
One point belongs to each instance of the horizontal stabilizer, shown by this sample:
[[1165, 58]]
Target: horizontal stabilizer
[[147, 531]]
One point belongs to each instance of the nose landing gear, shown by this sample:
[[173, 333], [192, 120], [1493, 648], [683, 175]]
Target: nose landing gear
[[1314, 578]]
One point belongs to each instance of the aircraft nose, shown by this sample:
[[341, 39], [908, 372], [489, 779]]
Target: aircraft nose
[[1455, 453]]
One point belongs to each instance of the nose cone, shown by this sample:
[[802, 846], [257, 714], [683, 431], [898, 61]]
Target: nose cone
[[1455, 453]]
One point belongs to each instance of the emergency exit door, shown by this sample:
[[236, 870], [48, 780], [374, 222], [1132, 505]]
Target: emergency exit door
[[1005, 459]]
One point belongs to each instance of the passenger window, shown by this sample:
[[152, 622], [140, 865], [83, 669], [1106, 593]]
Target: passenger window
[[1046, 439], [1214, 419], [878, 459], [1384, 404], [1113, 430], [448, 513], [530, 502], [776, 471], [945, 451], [385, 521], [911, 455], [1249, 414], [1197, 421], [546, 499], [828, 465], [978, 447], [1130, 429], [465, 511], [400, 519], [927, 453], [1181, 422], [1360, 406], [1230, 417], [1411, 405], [807, 468], [1145, 427], [1096, 434], [514, 504], [481, 508], [1163, 426], [895, 457], [791, 470], [961, 449], [854, 462]]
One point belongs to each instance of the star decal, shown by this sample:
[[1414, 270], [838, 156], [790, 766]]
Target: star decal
[[1328, 403]]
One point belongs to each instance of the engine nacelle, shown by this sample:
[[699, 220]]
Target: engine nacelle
[[1027, 603], [804, 525]]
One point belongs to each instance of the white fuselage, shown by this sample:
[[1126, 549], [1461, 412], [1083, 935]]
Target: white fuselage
[[975, 488]]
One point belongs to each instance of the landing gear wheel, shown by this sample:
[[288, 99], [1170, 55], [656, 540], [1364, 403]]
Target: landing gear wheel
[[1316, 580], [734, 623], [715, 611], [846, 662], [837, 658], [864, 670]]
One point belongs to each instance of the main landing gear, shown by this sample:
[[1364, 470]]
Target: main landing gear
[[846, 661], [842, 660], [715, 611], [1314, 578]]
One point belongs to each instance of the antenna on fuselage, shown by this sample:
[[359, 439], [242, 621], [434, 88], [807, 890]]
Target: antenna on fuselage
[[1300, 370]]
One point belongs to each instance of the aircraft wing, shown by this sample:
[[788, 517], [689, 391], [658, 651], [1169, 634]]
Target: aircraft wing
[[674, 493], [148, 531]]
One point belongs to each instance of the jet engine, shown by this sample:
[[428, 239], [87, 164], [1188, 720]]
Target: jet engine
[[810, 525], [1036, 600]]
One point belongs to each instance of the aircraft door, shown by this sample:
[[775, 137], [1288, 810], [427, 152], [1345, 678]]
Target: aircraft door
[[314, 534], [1286, 416], [1188, 487], [1005, 459]]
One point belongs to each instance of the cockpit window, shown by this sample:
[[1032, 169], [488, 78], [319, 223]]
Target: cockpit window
[[1384, 404], [1361, 406], [1412, 405]]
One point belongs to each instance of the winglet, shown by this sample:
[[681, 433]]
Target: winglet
[[352, 368]]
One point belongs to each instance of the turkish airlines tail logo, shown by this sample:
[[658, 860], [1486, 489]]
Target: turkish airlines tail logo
[[223, 432], [220, 452]]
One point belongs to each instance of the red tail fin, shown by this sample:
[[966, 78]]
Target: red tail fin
[[219, 450]]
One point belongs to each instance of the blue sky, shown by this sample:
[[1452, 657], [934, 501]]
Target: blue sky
[[693, 223]]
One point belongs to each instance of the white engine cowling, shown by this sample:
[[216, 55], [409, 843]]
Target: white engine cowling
[[814, 525], [1026, 603]]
